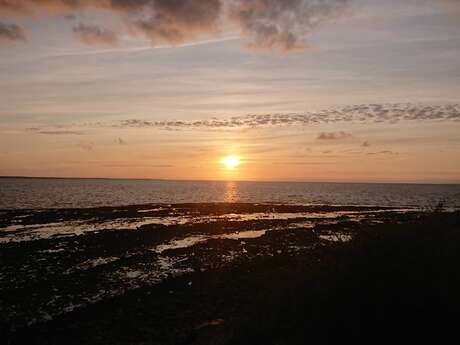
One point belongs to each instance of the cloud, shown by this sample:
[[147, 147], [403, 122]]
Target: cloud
[[334, 135], [355, 114], [10, 33], [94, 35], [365, 113], [61, 132], [54, 130], [32, 7], [120, 141], [283, 24], [179, 21], [385, 152], [267, 24], [301, 163], [130, 165]]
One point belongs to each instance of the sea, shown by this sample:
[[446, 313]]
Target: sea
[[45, 193]]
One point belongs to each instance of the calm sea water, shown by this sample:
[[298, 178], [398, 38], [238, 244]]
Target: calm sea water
[[17, 193]]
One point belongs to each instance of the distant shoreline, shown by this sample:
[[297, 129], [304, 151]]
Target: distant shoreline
[[453, 183]]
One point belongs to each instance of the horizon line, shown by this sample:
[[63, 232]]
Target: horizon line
[[222, 180]]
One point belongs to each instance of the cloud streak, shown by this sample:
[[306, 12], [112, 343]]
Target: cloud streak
[[60, 132], [130, 165], [385, 152], [366, 113]]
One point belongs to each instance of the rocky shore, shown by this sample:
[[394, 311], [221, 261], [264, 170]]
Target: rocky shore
[[227, 274]]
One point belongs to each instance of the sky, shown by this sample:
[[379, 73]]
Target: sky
[[298, 90]]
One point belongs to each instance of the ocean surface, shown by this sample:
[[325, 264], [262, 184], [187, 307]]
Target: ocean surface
[[38, 193]]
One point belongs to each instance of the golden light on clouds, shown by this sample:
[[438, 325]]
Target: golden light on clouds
[[231, 162]]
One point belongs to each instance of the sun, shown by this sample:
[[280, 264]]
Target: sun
[[231, 162]]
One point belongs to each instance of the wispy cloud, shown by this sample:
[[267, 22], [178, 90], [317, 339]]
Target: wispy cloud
[[356, 114], [130, 165], [61, 132], [384, 152], [54, 130], [121, 50], [367, 113]]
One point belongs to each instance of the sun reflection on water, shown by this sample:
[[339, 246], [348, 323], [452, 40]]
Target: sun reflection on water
[[231, 192]]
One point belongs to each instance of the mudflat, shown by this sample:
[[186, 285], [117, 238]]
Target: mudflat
[[228, 273]]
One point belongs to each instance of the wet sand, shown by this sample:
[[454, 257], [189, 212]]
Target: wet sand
[[226, 274]]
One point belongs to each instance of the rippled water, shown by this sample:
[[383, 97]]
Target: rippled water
[[17, 193]]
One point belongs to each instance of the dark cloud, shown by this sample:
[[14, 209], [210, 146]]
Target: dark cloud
[[366, 113], [282, 24], [272, 24], [177, 21], [171, 21], [11, 33], [94, 35], [334, 135]]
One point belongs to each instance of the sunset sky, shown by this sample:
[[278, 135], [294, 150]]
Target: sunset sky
[[304, 90]]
